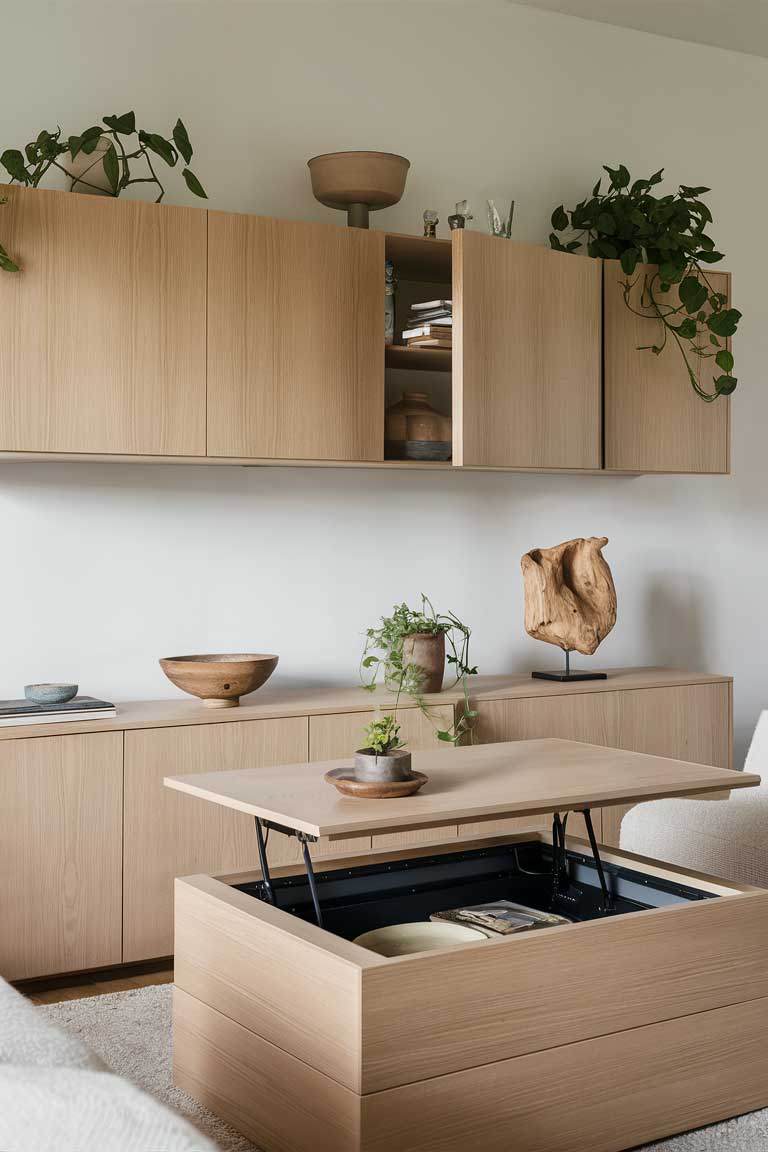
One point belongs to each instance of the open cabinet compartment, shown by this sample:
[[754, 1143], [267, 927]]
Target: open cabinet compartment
[[305, 1040], [423, 272]]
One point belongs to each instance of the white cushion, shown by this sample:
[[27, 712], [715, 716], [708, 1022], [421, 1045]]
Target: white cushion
[[727, 838], [57, 1096]]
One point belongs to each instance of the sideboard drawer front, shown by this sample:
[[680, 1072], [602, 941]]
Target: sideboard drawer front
[[431, 1014]]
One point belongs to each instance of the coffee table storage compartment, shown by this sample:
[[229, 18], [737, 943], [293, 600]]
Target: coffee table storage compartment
[[599, 1035], [645, 1018]]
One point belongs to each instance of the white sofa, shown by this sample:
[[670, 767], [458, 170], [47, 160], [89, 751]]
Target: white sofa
[[727, 838], [56, 1096]]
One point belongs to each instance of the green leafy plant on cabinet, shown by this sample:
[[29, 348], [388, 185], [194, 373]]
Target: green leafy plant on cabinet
[[631, 224], [123, 146]]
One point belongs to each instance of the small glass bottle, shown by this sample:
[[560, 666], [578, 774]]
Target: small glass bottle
[[389, 302]]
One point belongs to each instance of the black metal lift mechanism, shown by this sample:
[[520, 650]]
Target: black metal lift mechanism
[[562, 889], [305, 840]]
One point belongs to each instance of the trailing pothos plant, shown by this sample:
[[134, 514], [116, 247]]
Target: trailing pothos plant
[[383, 660], [6, 264], [127, 145], [629, 223]]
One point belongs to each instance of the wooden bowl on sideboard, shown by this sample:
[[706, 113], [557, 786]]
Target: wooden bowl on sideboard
[[220, 679]]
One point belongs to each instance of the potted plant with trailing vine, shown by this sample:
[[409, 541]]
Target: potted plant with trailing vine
[[628, 222], [407, 654]]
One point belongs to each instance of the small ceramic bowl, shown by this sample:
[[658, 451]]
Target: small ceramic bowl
[[50, 693], [422, 936]]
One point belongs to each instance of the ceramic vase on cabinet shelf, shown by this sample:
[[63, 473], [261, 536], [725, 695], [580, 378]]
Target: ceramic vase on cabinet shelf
[[414, 430]]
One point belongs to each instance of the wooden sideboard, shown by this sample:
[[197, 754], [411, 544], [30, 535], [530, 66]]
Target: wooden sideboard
[[90, 840], [150, 332]]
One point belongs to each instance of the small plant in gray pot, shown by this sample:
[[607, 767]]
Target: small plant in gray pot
[[383, 759]]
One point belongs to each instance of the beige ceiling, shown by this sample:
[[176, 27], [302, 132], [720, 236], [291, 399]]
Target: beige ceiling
[[738, 24]]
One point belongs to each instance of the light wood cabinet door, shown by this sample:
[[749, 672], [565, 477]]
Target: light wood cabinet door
[[60, 856], [591, 717], [295, 340], [654, 421], [334, 737], [692, 722], [168, 834], [102, 333], [526, 355]]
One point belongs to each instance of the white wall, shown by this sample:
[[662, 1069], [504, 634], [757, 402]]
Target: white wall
[[107, 568]]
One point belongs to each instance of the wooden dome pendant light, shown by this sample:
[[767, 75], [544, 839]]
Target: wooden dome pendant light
[[570, 601], [358, 182]]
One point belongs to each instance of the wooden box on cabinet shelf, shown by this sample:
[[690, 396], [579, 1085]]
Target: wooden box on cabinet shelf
[[596, 1034]]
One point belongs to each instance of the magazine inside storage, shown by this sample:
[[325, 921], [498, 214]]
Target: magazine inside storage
[[359, 899]]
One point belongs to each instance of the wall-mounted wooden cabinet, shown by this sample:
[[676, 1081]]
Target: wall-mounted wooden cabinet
[[295, 340], [526, 356], [654, 421], [102, 335], [140, 331]]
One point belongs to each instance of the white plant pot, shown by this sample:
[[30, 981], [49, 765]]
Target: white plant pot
[[89, 168]]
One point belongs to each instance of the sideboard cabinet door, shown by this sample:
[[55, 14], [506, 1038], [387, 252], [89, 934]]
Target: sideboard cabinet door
[[691, 722], [654, 421], [60, 855], [295, 340], [526, 356], [102, 333], [168, 834]]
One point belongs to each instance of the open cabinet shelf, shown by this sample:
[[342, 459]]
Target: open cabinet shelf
[[418, 359], [423, 270]]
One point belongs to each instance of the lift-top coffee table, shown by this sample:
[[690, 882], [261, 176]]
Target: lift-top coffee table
[[644, 1017]]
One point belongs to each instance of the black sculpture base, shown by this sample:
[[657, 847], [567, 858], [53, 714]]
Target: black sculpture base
[[566, 675]]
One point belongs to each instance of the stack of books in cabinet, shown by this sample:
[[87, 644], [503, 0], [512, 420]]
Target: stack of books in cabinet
[[429, 325]]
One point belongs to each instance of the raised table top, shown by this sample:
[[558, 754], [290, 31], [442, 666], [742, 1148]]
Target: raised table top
[[486, 781]]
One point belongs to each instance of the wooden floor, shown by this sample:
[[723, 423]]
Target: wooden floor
[[96, 983]]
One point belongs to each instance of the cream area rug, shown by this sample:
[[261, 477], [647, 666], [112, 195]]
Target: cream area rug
[[131, 1031]]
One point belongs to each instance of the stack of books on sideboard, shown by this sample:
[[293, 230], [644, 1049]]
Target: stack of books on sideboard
[[78, 709], [430, 325]]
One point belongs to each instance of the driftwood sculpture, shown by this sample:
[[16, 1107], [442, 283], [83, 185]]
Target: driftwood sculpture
[[570, 599]]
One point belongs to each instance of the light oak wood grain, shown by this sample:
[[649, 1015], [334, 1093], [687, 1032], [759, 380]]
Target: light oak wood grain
[[295, 339], [606, 1094], [428, 1015], [276, 1100], [60, 861], [332, 737], [526, 355], [168, 835], [522, 778], [688, 722], [276, 700], [290, 982], [102, 334], [654, 421]]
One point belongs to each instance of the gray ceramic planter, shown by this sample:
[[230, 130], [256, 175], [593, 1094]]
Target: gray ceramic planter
[[373, 769]]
